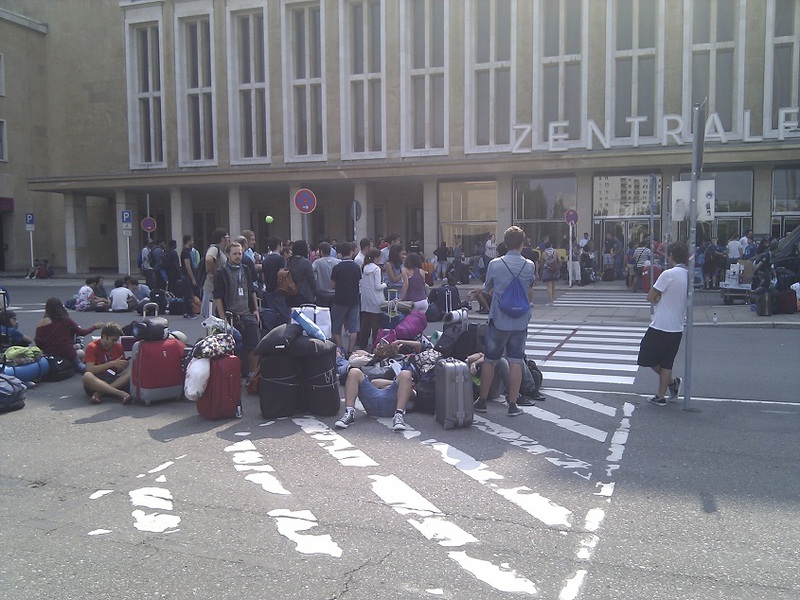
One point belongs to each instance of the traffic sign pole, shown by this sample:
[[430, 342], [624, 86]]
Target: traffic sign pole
[[571, 217]]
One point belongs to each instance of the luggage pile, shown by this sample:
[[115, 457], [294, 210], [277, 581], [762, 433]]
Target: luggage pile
[[298, 373]]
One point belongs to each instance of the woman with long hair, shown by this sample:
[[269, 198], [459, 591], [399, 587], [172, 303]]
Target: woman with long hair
[[371, 289], [550, 268], [414, 283], [55, 334], [394, 268]]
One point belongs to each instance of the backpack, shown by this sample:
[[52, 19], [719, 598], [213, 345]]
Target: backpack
[[550, 259], [514, 301], [286, 285], [200, 273]]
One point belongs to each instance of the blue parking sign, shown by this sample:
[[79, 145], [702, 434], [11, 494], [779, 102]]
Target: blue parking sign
[[127, 216]]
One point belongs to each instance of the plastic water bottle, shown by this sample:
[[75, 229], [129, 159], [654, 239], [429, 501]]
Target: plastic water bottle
[[714, 319]]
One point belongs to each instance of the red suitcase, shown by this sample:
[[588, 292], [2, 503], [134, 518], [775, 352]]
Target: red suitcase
[[156, 370], [223, 396]]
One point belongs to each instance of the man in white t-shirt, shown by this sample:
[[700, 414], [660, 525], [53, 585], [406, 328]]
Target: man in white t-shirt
[[366, 246], [734, 250], [122, 299], [660, 343]]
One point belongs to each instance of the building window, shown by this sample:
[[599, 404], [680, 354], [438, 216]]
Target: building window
[[304, 89], [3, 142], [2, 75], [782, 63], [424, 65], [636, 67], [560, 91], [145, 96], [468, 212], [786, 191], [540, 205], [249, 85], [363, 89], [733, 190], [624, 196], [713, 62], [490, 45], [195, 90]]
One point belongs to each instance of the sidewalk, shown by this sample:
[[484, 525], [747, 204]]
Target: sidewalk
[[735, 315]]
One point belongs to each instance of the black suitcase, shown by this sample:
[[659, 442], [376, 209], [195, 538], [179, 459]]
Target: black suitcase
[[279, 391], [318, 375], [608, 275], [453, 393]]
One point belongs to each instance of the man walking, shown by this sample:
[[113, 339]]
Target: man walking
[[322, 268], [189, 281], [663, 338], [506, 333], [214, 258]]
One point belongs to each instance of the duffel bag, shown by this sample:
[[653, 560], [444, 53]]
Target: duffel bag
[[151, 329], [12, 393], [60, 368]]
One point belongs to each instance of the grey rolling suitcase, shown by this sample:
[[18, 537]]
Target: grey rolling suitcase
[[453, 393]]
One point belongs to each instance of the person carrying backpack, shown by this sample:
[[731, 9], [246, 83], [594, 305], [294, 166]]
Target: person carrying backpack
[[509, 279], [550, 269]]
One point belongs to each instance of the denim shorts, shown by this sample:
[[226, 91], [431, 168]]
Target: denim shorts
[[499, 342], [378, 402], [349, 316]]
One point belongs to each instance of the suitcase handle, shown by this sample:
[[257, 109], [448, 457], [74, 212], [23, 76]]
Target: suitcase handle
[[150, 306]]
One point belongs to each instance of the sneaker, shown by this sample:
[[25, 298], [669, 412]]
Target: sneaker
[[514, 410], [479, 406], [189, 316], [348, 418], [398, 424], [525, 401], [675, 388], [658, 401]]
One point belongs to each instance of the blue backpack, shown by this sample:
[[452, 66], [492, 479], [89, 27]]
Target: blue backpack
[[514, 301]]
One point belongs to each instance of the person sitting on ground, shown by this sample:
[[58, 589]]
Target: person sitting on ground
[[55, 334], [107, 372], [87, 299], [33, 272], [380, 397], [10, 327], [413, 286], [122, 299], [484, 299], [527, 391], [140, 290]]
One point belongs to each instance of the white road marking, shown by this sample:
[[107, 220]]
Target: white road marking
[[99, 532], [338, 447], [530, 445], [100, 494], [499, 578], [540, 508], [586, 377], [567, 424], [584, 403], [591, 366], [291, 523]]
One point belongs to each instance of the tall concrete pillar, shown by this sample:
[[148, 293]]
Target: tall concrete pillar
[[176, 215], [295, 216], [360, 195], [430, 215], [75, 218], [127, 244], [234, 211], [244, 213], [505, 204]]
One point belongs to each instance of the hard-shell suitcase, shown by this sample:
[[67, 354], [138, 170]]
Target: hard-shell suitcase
[[787, 302], [279, 391], [223, 396], [453, 393], [764, 304], [157, 370]]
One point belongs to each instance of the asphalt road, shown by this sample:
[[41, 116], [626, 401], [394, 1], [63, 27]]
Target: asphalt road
[[592, 494]]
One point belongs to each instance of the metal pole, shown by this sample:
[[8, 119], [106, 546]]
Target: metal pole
[[128, 243], [698, 119], [652, 237], [569, 270], [149, 238], [31, 235], [355, 228]]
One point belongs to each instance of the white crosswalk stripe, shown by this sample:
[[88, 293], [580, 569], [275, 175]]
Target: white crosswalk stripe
[[602, 299], [584, 353], [586, 437]]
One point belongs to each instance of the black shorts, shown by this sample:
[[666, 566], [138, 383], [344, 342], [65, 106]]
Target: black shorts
[[659, 348]]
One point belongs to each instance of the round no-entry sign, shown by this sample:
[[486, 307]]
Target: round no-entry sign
[[149, 224], [571, 216], [305, 200]]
